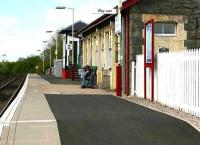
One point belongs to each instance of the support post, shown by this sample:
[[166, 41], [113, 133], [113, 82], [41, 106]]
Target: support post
[[127, 54]]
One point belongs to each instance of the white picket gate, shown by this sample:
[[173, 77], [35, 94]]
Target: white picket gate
[[177, 80]]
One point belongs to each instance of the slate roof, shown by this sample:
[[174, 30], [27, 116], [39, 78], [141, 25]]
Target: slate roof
[[77, 27]]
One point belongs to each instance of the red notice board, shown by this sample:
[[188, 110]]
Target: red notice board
[[149, 55]]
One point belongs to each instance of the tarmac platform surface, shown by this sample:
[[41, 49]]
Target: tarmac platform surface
[[53, 112], [108, 120]]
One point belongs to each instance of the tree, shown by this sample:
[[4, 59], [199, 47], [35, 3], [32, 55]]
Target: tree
[[32, 64]]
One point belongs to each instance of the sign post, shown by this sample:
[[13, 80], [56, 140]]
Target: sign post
[[149, 55]]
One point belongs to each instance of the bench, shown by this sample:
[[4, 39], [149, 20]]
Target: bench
[[93, 71]]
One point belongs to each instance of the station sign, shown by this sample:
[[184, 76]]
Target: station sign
[[69, 46], [118, 24], [105, 11]]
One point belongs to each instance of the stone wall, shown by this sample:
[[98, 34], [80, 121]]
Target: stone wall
[[187, 8], [172, 42]]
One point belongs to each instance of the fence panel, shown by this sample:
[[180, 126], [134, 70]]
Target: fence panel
[[179, 80], [140, 76]]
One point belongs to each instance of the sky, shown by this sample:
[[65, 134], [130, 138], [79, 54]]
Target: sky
[[23, 23]]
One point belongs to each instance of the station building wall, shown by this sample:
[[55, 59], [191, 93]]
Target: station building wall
[[99, 50]]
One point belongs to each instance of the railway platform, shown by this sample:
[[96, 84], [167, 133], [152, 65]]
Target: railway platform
[[33, 122], [30, 121], [51, 111]]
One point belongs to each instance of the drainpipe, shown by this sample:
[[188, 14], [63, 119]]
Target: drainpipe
[[123, 54], [127, 53]]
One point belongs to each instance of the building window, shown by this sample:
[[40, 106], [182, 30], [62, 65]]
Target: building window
[[109, 50], [102, 51], [89, 56], [102, 57], [165, 29], [96, 52]]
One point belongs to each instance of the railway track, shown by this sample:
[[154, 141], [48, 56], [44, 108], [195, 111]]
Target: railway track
[[4, 79], [9, 88]]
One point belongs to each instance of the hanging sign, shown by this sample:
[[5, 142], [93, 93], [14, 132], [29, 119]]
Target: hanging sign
[[118, 24]]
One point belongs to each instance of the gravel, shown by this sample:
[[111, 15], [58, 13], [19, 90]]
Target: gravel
[[191, 119]]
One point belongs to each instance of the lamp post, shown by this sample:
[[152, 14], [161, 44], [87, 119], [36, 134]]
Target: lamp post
[[42, 59], [4, 55], [56, 52], [63, 8], [50, 55], [72, 67], [44, 55]]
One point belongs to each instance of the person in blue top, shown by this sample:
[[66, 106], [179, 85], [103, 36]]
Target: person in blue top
[[88, 75]]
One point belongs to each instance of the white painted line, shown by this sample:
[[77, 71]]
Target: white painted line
[[33, 121]]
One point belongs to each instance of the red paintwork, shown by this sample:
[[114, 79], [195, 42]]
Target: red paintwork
[[151, 65], [119, 80], [129, 3], [64, 74]]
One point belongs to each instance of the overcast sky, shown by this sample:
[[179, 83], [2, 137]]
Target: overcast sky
[[23, 22]]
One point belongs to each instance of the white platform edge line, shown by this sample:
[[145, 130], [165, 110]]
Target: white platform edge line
[[9, 113], [33, 121]]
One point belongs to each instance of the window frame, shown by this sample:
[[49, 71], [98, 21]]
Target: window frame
[[163, 34]]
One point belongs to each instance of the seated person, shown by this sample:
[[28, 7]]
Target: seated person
[[88, 75]]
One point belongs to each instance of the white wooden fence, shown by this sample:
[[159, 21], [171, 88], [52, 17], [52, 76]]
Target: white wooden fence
[[177, 80], [139, 76]]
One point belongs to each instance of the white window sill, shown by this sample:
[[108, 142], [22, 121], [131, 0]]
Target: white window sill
[[165, 35]]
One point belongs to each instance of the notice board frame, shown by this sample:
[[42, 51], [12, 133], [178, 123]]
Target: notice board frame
[[149, 55]]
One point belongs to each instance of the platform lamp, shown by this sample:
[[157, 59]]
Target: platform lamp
[[49, 54], [44, 55], [63, 8], [3, 55], [56, 52], [39, 50]]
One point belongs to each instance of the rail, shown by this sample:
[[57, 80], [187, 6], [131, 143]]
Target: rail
[[20, 81]]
